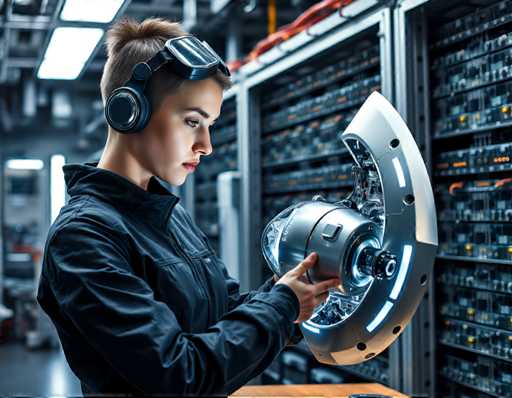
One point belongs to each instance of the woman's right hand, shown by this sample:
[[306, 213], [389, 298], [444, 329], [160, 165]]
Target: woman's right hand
[[309, 295]]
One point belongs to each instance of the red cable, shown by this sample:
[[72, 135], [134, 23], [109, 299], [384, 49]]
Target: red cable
[[311, 16]]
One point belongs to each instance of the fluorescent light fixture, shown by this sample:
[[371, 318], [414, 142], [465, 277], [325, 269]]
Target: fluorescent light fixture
[[57, 184], [68, 51], [399, 172], [102, 11], [311, 328], [404, 267], [19, 257], [25, 164], [380, 316]]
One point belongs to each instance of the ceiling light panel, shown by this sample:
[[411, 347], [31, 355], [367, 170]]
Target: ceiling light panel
[[101, 11], [68, 51]]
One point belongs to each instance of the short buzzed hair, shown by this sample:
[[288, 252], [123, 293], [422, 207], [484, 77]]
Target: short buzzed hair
[[130, 42]]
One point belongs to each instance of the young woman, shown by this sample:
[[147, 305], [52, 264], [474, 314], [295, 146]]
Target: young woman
[[141, 302]]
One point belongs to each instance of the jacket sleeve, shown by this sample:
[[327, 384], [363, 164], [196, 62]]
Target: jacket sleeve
[[236, 298], [93, 282]]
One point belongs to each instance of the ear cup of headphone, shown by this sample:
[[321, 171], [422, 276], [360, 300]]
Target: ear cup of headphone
[[127, 110]]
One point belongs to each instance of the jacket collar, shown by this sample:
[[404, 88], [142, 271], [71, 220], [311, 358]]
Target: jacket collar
[[86, 179]]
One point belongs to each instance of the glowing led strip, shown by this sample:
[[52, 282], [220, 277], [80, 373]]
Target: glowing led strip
[[402, 273], [380, 316], [399, 172]]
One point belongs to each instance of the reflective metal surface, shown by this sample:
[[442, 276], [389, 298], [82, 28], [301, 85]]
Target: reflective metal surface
[[380, 241]]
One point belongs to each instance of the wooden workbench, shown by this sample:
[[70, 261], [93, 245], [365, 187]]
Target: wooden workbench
[[316, 390]]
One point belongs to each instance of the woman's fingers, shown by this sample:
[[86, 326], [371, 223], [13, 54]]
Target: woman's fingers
[[304, 316], [324, 286], [321, 298], [309, 295], [308, 308], [305, 264]]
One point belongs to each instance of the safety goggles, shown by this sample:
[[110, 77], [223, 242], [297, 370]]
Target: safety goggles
[[189, 58]]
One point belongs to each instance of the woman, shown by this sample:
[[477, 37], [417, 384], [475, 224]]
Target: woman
[[140, 301]]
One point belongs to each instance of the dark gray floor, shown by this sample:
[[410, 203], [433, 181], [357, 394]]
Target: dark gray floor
[[35, 373]]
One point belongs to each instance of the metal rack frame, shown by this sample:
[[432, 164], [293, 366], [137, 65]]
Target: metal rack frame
[[309, 36], [2, 218], [411, 90], [249, 128]]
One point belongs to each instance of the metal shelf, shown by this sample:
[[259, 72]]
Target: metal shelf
[[472, 32], [305, 159], [472, 58], [481, 289], [466, 89], [483, 353], [313, 116], [470, 173], [474, 259], [470, 131], [474, 351], [493, 328], [472, 386], [305, 189], [312, 88], [455, 221]]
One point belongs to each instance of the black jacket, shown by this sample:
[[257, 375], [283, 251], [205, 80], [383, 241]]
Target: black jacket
[[141, 302]]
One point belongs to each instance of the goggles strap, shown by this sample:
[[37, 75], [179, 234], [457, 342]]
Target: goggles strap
[[159, 59]]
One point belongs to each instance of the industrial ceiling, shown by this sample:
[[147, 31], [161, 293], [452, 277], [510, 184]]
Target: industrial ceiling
[[28, 103]]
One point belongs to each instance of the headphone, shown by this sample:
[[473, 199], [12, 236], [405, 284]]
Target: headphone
[[127, 109]]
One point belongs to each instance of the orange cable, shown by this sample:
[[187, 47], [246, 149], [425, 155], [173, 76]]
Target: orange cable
[[308, 18], [272, 16], [454, 186], [502, 182]]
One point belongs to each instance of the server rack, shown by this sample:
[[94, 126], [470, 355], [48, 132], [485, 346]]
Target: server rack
[[457, 59], [293, 111], [2, 218], [224, 139]]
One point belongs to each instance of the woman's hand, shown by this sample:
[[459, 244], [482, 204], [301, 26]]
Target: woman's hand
[[309, 295]]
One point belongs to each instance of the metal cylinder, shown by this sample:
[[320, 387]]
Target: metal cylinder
[[338, 238]]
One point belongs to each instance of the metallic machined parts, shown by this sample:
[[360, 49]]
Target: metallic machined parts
[[380, 241]]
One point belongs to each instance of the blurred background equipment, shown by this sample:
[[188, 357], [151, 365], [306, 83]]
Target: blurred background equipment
[[301, 69]]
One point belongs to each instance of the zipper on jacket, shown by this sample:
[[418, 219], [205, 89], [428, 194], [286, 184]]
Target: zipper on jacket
[[192, 266]]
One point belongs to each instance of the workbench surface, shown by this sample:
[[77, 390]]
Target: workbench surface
[[316, 390]]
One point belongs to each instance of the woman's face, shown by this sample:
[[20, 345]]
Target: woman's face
[[178, 135]]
